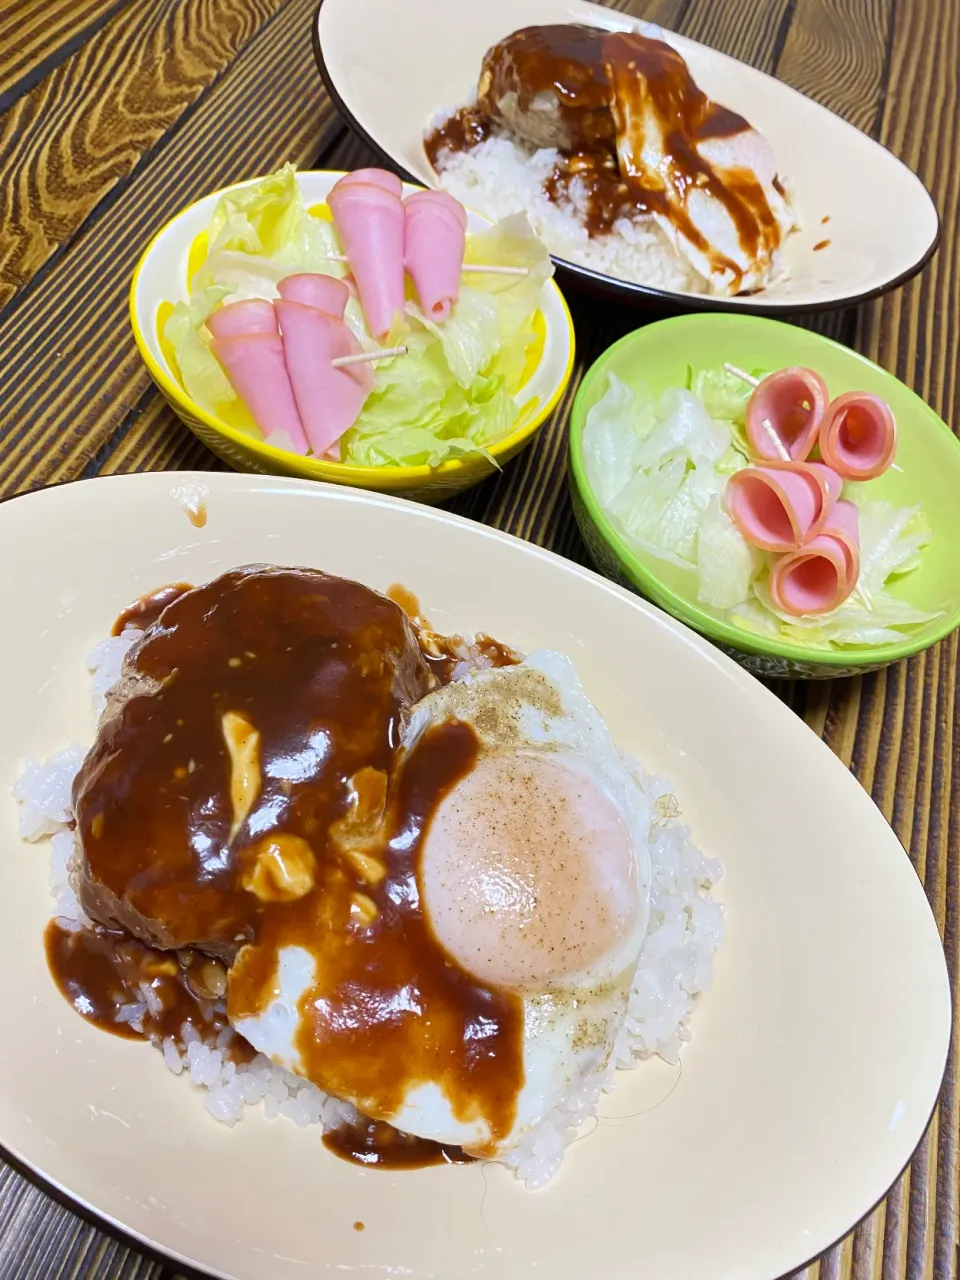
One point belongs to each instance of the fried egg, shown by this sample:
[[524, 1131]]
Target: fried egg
[[534, 878]]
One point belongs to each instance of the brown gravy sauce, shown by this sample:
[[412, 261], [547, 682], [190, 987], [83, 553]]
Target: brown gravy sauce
[[101, 972], [605, 87], [443, 653], [821, 244], [144, 612], [378, 1145], [322, 669]]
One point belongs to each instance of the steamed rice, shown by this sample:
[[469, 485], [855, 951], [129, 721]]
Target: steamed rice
[[676, 963], [500, 177]]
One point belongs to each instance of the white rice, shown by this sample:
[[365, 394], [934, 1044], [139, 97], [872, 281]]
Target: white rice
[[501, 177], [675, 966]]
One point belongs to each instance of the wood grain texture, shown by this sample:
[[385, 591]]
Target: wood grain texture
[[40, 1238], [74, 401], [266, 108], [36, 35], [837, 54], [66, 145]]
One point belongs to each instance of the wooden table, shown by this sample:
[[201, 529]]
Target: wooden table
[[119, 112]]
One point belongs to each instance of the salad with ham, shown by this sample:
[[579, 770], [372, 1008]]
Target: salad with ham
[[372, 330], [758, 484]]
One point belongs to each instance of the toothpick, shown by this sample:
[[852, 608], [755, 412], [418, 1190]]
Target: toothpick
[[478, 268], [367, 357], [492, 269], [778, 445], [742, 375]]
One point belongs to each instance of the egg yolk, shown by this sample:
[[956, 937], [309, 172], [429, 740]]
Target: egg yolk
[[528, 872]]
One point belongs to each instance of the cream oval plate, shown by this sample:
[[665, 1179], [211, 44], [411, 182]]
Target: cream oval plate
[[391, 66], [817, 1053]]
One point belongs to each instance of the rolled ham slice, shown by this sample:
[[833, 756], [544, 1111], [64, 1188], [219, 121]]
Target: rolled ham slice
[[435, 237], [370, 222], [786, 409], [329, 400], [780, 507], [375, 177], [858, 437], [314, 290], [254, 316], [821, 575], [256, 367]]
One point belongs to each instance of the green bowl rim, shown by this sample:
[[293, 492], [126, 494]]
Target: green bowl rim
[[714, 628]]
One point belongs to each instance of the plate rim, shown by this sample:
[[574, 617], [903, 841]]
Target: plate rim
[[629, 291], [321, 491]]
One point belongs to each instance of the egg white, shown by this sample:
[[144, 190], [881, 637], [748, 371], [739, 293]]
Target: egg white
[[568, 1026]]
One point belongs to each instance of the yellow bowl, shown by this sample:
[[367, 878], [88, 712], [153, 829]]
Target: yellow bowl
[[161, 279]]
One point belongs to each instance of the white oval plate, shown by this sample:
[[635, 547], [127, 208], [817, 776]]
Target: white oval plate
[[816, 1055], [389, 65]]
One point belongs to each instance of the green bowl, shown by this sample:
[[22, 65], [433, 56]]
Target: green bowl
[[928, 454]]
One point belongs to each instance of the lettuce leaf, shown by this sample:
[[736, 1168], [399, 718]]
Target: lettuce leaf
[[470, 336], [259, 218], [683, 429], [726, 562], [200, 372], [511, 242], [262, 233], [722, 394], [612, 436], [661, 509], [420, 415]]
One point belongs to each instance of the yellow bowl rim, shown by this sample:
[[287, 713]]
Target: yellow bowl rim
[[335, 471]]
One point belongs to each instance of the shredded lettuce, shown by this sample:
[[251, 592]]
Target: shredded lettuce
[[654, 465], [450, 395], [613, 436], [262, 233], [202, 377], [726, 562], [419, 414], [469, 337], [659, 468], [722, 394], [684, 429], [511, 243]]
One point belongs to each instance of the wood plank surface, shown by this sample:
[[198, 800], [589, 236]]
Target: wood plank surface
[[117, 114], [74, 318], [66, 144], [36, 36]]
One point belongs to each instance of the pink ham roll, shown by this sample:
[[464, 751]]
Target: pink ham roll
[[858, 437], [329, 399], [787, 407], [255, 316], [315, 290], [369, 221], [821, 575], [435, 236], [782, 506], [255, 365], [375, 178]]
